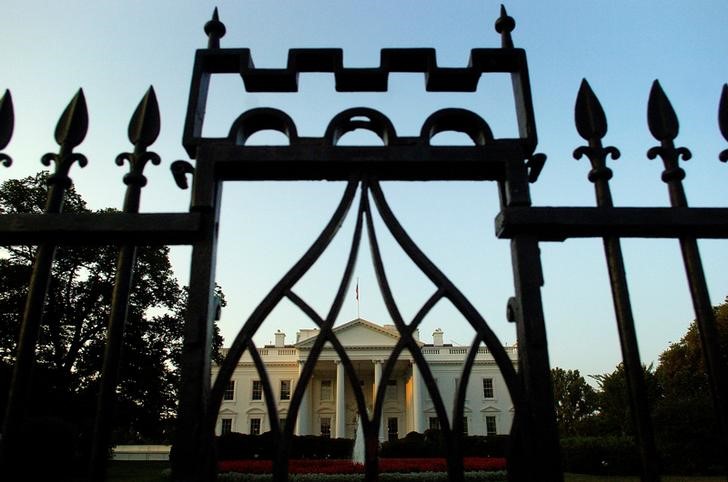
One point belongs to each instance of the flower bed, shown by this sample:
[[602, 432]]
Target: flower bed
[[337, 466]]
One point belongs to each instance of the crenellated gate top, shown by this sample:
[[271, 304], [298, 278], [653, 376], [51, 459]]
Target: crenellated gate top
[[534, 453]]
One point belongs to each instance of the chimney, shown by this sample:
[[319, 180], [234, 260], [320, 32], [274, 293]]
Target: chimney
[[280, 339], [437, 337]]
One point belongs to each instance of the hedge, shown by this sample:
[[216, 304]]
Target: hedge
[[384, 477], [236, 446]]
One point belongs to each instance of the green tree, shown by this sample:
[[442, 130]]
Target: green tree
[[576, 400], [71, 341], [615, 414], [685, 423]]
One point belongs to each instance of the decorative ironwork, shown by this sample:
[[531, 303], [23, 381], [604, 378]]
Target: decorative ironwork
[[511, 162], [7, 119], [591, 123], [70, 132], [723, 119], [664, 126], [143, 131]]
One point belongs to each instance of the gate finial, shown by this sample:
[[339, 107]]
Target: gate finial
[[73, 124], [504, 26], [7, 120], [215, 30], [723, 119], [664, 126], [661, 117], [70, 132], [591, 124], [143, 131]]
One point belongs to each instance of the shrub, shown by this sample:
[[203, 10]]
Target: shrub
[[432, 444], [386, 477], [608, 455], [53, 439], [237, 446]]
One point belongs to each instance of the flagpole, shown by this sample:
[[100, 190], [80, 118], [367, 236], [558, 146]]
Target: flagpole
[[357, 298]]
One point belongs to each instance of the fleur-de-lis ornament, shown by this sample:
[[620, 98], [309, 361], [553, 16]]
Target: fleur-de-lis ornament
[[70, 132], [143, 131], [723, 119], [7, 120], [591, 124], [664, 126]]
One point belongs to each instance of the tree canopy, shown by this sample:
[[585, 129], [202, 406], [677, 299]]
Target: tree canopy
[[71, 341], [576, 400], [683, 416]]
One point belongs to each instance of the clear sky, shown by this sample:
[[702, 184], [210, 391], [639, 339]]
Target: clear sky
[[116, 49]]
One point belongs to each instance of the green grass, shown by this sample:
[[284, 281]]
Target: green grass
[[134, 471], [152, 472], [635, 478]]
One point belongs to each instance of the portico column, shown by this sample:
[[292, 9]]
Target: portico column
[[377, 382], [417, 411], [340, 401], [302, 421]]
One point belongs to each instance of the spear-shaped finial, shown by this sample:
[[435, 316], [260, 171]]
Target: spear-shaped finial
[[73, 124], [723, 119], [591, 124], [70, 132], [7, 121], [143, 131], [144, 123], [661, 117], [504, 26], [215, 30], [588, 113], [664, 126]]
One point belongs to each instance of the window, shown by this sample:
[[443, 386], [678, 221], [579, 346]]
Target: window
[[434, 423], [285, 389], [392, 429], [326, 427], [325, 390], [282, 423], [391, 393], [465, 425], [254, 426], [490, 428], [229, 393], [226, 426], [487, 388], [257, 393]]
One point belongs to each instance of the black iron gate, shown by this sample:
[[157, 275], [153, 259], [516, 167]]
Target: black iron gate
[[512, 163]]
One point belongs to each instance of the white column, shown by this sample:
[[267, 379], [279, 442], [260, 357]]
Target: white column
[[340, 401], [417, 410], [377, 382], [304, 412]]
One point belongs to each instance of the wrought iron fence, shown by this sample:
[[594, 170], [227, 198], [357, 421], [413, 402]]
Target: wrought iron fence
[[512, 163]]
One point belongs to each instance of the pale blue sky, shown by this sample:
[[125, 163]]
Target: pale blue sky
[[115, 50]]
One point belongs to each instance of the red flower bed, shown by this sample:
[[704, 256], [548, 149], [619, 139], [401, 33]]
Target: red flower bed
[[334, 466]]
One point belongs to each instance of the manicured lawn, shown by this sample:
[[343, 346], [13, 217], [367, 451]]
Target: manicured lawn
[[665, 478], [134, 471], [152, 472]]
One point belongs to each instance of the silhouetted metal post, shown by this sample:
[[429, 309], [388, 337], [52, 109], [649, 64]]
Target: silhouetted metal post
[[537, 431], [591, 123], [70, 132], [7, 120], [664, 127], [192, 458], [143, 131]]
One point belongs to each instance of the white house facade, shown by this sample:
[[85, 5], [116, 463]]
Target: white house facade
[[329, 407]]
